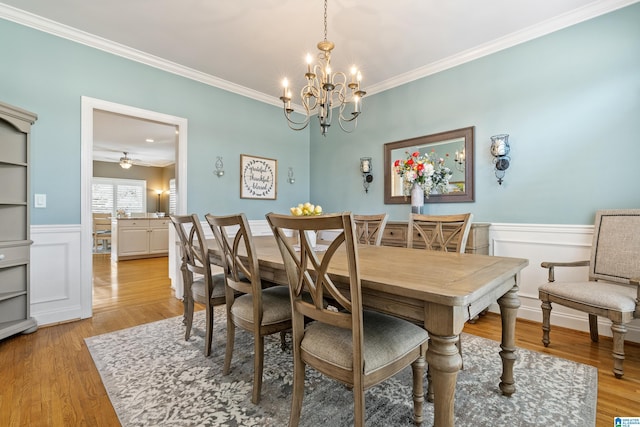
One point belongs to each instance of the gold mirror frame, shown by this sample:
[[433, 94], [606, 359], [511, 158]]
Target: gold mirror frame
[[457, 138]]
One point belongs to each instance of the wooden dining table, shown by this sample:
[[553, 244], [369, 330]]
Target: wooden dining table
[[439, 290]]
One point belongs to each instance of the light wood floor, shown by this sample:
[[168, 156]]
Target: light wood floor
[[48, 378]]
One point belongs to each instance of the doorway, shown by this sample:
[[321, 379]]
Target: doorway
[[89, 107]]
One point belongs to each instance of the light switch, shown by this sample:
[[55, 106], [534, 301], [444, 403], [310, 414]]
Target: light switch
[[40, 201]]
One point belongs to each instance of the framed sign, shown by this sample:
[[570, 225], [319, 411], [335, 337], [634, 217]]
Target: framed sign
[[258, 177]]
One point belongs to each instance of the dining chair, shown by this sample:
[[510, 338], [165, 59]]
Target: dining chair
[[259, 310], [370, 228], [612, 289], [446, 233], [356, 347], [200, 284], [101, 230]]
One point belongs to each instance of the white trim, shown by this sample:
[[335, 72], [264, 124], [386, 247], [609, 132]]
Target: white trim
[[60, 30], [582, 14], [549, 26], [86, 176]]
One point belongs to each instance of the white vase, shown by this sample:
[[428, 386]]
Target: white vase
[[417, 199]]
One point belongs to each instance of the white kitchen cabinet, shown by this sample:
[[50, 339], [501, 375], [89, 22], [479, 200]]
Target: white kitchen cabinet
[[139, 238]]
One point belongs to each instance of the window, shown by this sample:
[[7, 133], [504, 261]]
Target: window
[[108, 195], [172, 196]]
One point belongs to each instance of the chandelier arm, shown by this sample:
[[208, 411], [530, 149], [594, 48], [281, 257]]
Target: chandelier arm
[[296, 125]]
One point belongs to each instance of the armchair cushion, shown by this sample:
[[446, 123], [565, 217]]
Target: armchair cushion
[[612, 296], [386, 339]]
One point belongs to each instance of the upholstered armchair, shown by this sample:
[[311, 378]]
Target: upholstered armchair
[[612, 289]]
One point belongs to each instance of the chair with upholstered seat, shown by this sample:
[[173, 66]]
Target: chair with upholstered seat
[[200, 284], [369, 228], [612, 289], [446, 233], [358, 348], [259, 311]]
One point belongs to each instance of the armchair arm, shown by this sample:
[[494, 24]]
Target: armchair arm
[[550, 265], [636, 281]]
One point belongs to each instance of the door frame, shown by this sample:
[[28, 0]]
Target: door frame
[[88, 105]]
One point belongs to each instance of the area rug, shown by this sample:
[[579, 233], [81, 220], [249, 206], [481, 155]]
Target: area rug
[[156, 378]]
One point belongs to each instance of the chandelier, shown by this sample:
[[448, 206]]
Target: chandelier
[[326, 90]]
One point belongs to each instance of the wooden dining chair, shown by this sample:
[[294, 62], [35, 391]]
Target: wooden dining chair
[[259, 311], [200, 284], [370, 228], [446, 233], [101, 230], [612, 289], [356, 347]]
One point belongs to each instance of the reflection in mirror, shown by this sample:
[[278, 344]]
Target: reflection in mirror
[[455, 147]]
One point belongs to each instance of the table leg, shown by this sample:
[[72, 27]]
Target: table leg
[[444, 363], [509, 304]]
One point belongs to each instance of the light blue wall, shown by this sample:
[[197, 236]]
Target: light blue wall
[[48, 75], [570, 102]]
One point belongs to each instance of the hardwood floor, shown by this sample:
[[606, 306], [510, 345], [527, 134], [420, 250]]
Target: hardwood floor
[[49, 379]]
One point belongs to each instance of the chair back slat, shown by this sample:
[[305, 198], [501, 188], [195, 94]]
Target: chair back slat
[[308, 268], [193, 248], [239, 258], [443, 233], [615, 253], [370, 228]]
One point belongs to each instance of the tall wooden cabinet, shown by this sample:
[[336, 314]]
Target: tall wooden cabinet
[[15, 126]]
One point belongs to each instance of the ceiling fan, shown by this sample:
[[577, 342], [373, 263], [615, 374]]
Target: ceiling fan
[[125, 162]]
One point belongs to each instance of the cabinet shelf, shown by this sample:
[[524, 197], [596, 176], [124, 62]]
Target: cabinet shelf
[[9, 295], [15, 304], [5, 162]]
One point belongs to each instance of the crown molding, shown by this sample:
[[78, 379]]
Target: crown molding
[[592, 10]]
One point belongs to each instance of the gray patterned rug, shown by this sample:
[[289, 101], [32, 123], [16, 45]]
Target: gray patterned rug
[[155, 378]]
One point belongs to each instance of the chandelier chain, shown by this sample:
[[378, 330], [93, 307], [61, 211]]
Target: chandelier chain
[[325, 20]]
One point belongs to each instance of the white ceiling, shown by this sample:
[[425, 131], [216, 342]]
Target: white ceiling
[[249, 46]]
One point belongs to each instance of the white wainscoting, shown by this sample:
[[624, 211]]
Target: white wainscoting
[[540, 243], [55, 273], [56, 270]]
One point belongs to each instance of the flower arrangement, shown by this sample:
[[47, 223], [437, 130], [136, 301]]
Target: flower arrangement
[[306, 209], [425, 170]]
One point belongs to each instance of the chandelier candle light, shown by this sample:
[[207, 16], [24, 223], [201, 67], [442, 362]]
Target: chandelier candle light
[[325, 90]]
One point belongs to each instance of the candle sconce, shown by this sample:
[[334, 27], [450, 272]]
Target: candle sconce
[[500, 151], [366, 169], [290, 178], [219, 167]]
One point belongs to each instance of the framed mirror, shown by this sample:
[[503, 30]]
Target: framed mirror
[[455, 147]]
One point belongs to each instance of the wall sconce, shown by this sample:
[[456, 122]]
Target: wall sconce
[[460, 158], [500, 151], [219, 167], [290, 178], [366, 168]]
